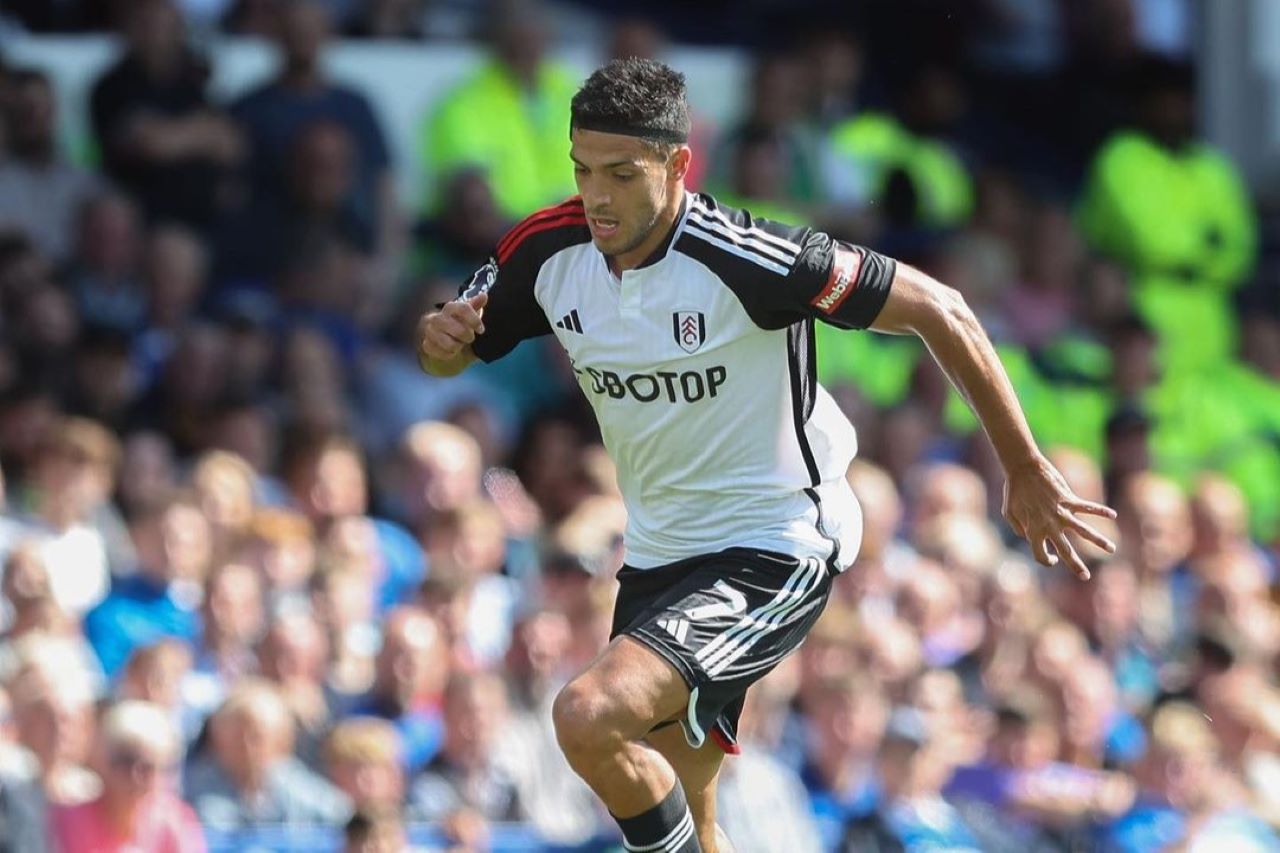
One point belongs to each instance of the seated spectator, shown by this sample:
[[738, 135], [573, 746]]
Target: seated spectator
[[175, 267], [274, 115], [1021, 786], [105, 275], [911, 813], [411, 671], [40, 194], [71, 480], [160, 600], [53, 717], [293, 655], [248, 776], [223, 483], [159, 134], [847, 716], [326, 477], [362, 758], [159, 674], [136, 752], [1186, 797], [466, 773], [233, 616]]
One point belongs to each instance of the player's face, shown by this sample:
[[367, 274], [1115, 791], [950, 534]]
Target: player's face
[[625, 186]]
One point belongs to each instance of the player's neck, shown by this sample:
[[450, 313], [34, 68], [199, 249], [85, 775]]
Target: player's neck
[[618, 264]]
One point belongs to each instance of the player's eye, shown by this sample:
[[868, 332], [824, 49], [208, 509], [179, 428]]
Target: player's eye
[[579, 170], [624, 177]]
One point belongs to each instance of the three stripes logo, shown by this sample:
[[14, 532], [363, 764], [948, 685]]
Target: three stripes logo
[[678, 628], [570, 322]]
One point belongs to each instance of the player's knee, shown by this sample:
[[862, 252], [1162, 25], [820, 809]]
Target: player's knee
[[585, 722]]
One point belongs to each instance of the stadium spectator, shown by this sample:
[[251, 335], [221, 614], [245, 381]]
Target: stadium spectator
[[466, 773], [159, 134], [248, 776], [362, 758], [508, 117], [275, 115], [293, 655], [411, 671], [1186, 249], [161, 598], [136, 751], [41, 194]]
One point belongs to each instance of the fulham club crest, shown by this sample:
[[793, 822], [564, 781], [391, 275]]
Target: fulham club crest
[[690, 329]]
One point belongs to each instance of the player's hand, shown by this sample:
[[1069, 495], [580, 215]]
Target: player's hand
[[443, 334], [1041, 508]]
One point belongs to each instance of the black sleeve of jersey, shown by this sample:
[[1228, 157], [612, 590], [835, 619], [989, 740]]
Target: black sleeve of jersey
[[512, 313], [783, 274]]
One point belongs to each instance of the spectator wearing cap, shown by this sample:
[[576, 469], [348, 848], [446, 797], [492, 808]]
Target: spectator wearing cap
[[911, 813], [159, 135], [1186, 797], [248, 776], [136, 752], [161, 599], [410, 674], [40, 193], [467, 773]]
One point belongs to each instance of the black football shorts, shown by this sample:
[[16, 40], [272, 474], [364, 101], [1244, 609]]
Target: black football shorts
[[723, 620]]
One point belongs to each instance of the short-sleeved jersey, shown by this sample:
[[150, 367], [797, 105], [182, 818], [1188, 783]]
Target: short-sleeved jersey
[[699, 365]]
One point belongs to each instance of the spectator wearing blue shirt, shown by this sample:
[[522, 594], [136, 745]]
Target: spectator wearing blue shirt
[[410, 674], [161, 599], [847, 720], [911, 815], [1187, 799], [326, 479]]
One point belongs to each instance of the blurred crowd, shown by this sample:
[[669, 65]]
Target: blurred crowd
[[266, 583]]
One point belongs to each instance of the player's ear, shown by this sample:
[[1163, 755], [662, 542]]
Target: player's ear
[[678, 164]]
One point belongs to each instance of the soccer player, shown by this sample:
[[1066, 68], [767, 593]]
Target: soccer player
[[690, 327]]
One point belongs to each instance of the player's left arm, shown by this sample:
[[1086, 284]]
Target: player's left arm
[[1038, 503]]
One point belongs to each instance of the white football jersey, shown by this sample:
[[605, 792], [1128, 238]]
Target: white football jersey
[[700, 367]]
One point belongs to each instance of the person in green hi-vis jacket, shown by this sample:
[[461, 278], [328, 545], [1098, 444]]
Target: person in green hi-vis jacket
[[509, 118], [1175, 212]]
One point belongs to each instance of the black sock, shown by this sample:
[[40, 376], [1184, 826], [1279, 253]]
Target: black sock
[[665, 828]]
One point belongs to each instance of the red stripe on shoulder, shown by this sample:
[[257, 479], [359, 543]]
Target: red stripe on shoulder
[[541, 225], [570, 205]]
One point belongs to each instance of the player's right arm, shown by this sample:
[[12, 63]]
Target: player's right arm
[[445, 336]]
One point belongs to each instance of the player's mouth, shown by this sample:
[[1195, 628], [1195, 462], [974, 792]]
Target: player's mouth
[[603, 228]]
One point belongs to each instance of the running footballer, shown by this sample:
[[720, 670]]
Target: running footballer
[[690, 326]]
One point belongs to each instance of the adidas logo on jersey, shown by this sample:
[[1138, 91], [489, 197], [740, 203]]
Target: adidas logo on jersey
[[570, 322], [678, 628]]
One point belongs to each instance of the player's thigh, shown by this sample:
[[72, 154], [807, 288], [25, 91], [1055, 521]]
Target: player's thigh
[[626, 691], [697, 767]]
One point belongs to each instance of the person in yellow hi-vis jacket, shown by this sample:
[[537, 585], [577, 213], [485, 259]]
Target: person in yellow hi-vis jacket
[[1175, 212], [509, 118]]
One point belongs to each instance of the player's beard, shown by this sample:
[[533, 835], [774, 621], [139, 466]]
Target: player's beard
[[641, 235]]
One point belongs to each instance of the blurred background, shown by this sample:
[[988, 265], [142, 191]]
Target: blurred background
[[267, 586]]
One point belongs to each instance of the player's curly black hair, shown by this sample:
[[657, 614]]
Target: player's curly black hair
[[641, 95]]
